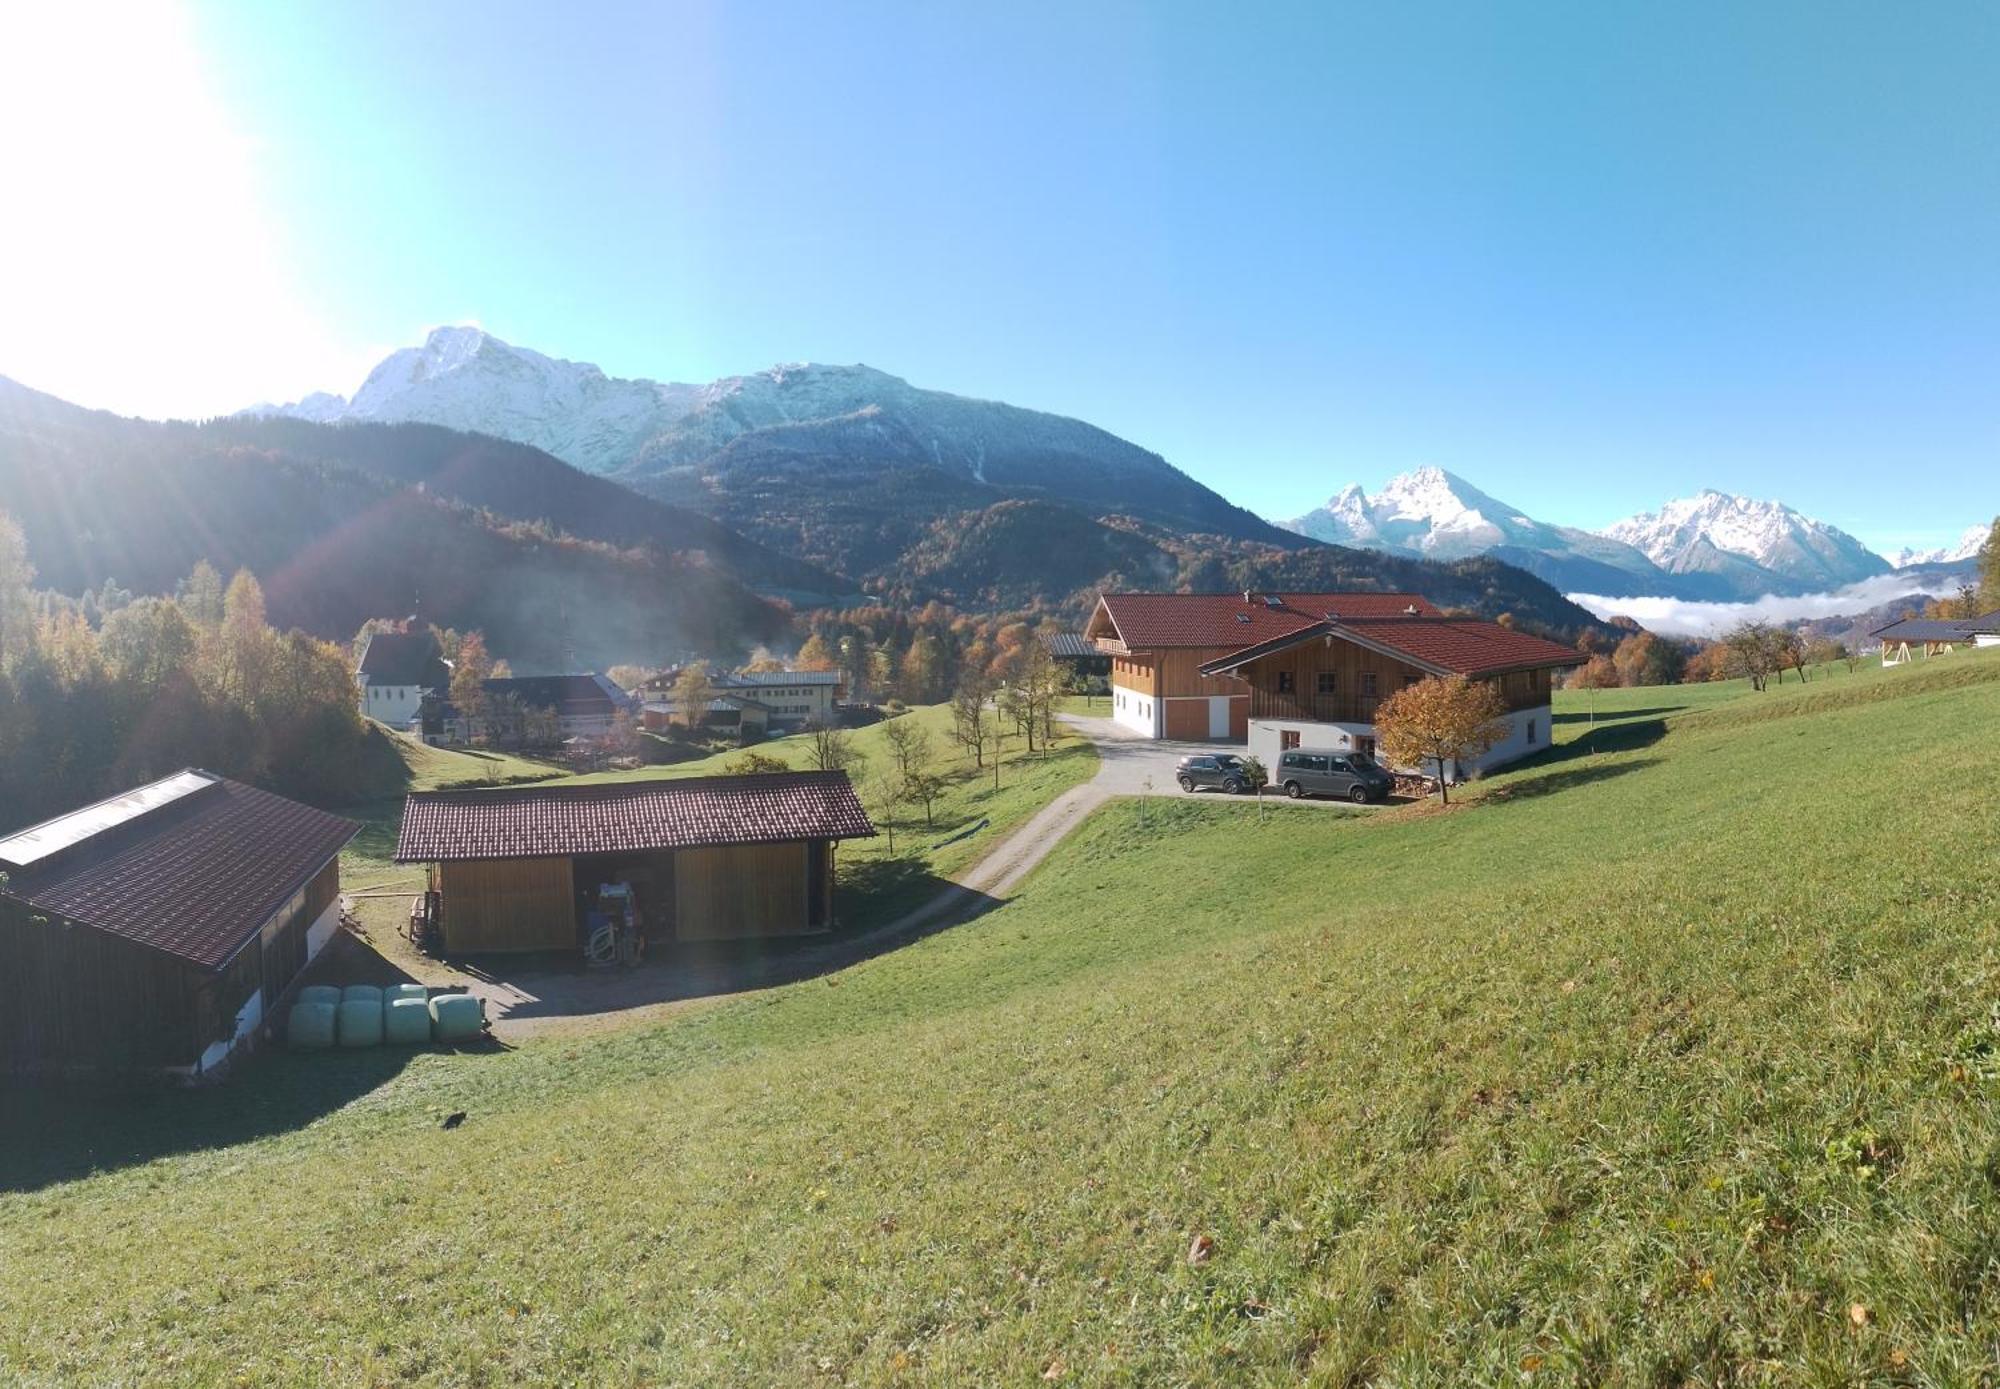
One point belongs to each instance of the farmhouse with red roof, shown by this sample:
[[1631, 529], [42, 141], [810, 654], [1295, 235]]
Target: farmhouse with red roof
[[1307, 670]]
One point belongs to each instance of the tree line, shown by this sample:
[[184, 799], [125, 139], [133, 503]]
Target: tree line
[[101, 696]]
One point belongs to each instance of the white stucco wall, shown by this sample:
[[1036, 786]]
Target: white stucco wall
[[247, 1018], [1136, 711], [1266, 737], [321, 931], [395, 705]]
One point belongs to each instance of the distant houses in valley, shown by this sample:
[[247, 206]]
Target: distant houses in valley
[[1308, 670], [751, 701], [398, 671], [157, 930], [526, 710]]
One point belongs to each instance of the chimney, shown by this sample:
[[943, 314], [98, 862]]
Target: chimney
[[1249, 597]]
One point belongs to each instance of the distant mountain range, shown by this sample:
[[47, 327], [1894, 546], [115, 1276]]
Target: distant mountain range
[[1966, 547], [560, 569], [1709, 547], [912, 493]]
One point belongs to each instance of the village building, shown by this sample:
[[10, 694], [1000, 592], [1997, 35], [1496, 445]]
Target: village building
[[155, 931], [1916, 638], [1318, 687], [777, 698], [704, 858], [1158, 643], [398, 671], [1077, 653], [575, 706]]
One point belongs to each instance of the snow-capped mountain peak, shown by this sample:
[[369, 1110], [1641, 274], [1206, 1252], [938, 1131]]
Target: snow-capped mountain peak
[[1966, 546], [1425, 511], [1717, 532]]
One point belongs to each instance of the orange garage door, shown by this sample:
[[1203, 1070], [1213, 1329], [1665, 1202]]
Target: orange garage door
[[1187, 718]]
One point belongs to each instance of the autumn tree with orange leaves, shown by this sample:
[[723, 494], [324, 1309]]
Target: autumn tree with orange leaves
[[1439, 720]]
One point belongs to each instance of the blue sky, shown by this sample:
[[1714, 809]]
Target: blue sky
[[1590, 256]]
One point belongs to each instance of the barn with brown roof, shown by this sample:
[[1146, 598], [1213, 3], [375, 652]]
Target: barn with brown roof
[[157, 929], [703, 858]]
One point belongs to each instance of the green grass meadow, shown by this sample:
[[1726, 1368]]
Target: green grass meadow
[[1670, 1058]]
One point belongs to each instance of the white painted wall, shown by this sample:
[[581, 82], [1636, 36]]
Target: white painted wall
[[1136, 711], [395, 705], [247, 1018], [1528, 731], [321, 931]]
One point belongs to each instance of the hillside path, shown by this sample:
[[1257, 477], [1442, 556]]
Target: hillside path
[[531, 1001]]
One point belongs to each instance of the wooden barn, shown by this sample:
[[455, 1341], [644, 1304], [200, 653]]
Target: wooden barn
[[705, 858], [154, 931]]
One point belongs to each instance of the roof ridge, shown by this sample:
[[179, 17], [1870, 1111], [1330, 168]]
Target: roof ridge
[[635, 786]]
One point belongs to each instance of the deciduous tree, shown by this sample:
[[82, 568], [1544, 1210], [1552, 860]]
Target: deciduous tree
[[693, 691], [470, 671], [1441, 720]]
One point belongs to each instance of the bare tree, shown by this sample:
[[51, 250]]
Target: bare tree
[[1753, 649], [968, 713], [829, 749]]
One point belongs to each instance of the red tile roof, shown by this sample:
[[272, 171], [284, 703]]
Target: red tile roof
[[1226, 621], [629, 817], [1445, 645], [196, 877]]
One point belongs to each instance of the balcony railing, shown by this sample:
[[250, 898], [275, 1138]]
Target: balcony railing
[[1329, 708]]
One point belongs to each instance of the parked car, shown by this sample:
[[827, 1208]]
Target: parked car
[[1353, 776], [1214, 771]]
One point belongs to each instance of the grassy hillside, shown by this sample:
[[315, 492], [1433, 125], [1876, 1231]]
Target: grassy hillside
[[1675, 1063]]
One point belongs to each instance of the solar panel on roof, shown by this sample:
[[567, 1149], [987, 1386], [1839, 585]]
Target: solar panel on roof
[[37, 842]]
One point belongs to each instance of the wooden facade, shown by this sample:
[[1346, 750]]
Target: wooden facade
[[77, 998], [507, 904], [741, 890], [725, 892], [1333, 681]]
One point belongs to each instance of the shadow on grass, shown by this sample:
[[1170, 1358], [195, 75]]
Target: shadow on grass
[[59, 1129], [1629, 736], [1619, 715], [50, 1134], [881, 905], [1565, 779]]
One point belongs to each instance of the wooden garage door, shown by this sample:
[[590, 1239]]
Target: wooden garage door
[[740, 890], [508, 904], [1187, 719]]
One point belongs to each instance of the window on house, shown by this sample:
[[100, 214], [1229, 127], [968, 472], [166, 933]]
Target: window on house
[[1531, 732], [1284, 682], [1327, 682], [1368, 684], [1289, 738], [1410, 680]]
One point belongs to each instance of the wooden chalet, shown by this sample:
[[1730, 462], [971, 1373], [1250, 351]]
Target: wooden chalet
[[706, 858], [156, 930], [1159, 642], [1318, 686]]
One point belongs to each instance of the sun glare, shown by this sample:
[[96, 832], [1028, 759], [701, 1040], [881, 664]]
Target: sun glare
[[139, 268]]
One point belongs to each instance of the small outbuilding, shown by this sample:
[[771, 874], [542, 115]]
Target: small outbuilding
[[703, 858], [156, 930]]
